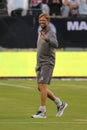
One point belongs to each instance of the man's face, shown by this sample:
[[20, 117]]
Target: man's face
[[43, 22]]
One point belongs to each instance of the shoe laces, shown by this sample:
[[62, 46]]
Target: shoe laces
[[60, 107]]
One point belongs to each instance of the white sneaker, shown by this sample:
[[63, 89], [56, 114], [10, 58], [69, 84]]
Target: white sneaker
[[39, 114], [61, 109]]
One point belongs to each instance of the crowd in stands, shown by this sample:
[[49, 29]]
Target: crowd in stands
[[60, 8]]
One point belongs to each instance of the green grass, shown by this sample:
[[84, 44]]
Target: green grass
[[19, 99]]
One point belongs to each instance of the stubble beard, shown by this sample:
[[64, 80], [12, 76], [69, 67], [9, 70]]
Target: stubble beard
[[43, 27]]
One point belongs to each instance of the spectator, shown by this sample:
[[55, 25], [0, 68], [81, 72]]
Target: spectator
[[36, 3], [65, 8], [83, 8], [45, 8], [55, 7], [74, 8], [36, 7], [17, 7]]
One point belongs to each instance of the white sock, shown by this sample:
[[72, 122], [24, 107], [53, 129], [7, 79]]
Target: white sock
[[42, 108], [58, 102]]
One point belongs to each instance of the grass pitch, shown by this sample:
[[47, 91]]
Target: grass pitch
[[19, 99]]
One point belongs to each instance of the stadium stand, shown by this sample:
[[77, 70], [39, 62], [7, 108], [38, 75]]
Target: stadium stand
[[3, 10]]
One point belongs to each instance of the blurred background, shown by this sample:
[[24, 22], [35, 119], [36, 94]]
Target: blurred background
[[18, 35]]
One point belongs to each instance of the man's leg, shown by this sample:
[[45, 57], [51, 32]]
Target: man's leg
[[61, 106], [43, 76], [48, 93], [43, 90], [42, 109]]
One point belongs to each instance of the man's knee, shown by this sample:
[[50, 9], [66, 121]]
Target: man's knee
[[41, 87]]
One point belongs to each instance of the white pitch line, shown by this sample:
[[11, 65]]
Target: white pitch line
[[43, 123], [14, 85]]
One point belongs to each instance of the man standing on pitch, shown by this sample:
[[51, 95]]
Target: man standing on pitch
[[46, 45]]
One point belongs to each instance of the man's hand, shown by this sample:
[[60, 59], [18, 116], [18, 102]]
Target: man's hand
[[43, 35]]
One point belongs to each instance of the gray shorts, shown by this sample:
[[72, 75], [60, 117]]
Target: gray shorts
[[44, 73]]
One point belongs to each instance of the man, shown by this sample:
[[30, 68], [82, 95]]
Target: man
[[55, 7], [46, 44], [83, 8], [65, 9], [74, 8]]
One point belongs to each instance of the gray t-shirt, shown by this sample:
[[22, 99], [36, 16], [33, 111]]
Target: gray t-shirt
[[46, 48]]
